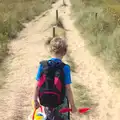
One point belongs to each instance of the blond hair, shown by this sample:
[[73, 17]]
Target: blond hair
[[58, 46]]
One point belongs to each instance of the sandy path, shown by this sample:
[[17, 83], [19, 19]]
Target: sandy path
[[28, 49]]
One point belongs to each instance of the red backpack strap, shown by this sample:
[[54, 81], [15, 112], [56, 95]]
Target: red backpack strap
[[43, 76]]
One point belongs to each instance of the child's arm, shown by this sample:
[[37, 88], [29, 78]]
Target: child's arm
[[70, 98], [36, 94], [68, 87]]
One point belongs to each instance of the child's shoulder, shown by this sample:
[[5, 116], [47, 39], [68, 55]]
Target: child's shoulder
[[67, 66]]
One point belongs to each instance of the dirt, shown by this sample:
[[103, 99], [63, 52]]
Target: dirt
[[26, 52]]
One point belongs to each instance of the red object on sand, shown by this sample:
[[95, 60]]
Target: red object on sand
[[80, 110], [83, 110]]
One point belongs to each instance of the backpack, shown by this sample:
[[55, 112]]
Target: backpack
[[52, 87]]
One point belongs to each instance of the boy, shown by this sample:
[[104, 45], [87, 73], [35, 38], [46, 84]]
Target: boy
[[58, 48]]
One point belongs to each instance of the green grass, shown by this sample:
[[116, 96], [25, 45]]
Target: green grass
[[13, 13], [98, 20]]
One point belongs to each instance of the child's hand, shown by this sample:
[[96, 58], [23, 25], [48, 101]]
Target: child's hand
[[36, 104], [74, 109]]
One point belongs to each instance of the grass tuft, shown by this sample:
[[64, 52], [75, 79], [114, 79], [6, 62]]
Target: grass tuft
[[82, 98]]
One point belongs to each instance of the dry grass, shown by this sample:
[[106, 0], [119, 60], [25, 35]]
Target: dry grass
[[13, 13], [98, 20], [71, 62], [82, 98]]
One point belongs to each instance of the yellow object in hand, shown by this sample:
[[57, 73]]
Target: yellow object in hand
[[39, 116]]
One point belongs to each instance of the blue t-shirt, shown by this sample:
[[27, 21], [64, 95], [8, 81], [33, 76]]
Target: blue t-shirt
[[66, 72]]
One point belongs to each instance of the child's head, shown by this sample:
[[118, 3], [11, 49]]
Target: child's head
[[58, 46]]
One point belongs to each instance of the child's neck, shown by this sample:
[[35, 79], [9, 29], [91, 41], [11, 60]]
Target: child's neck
[[58, 56]]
